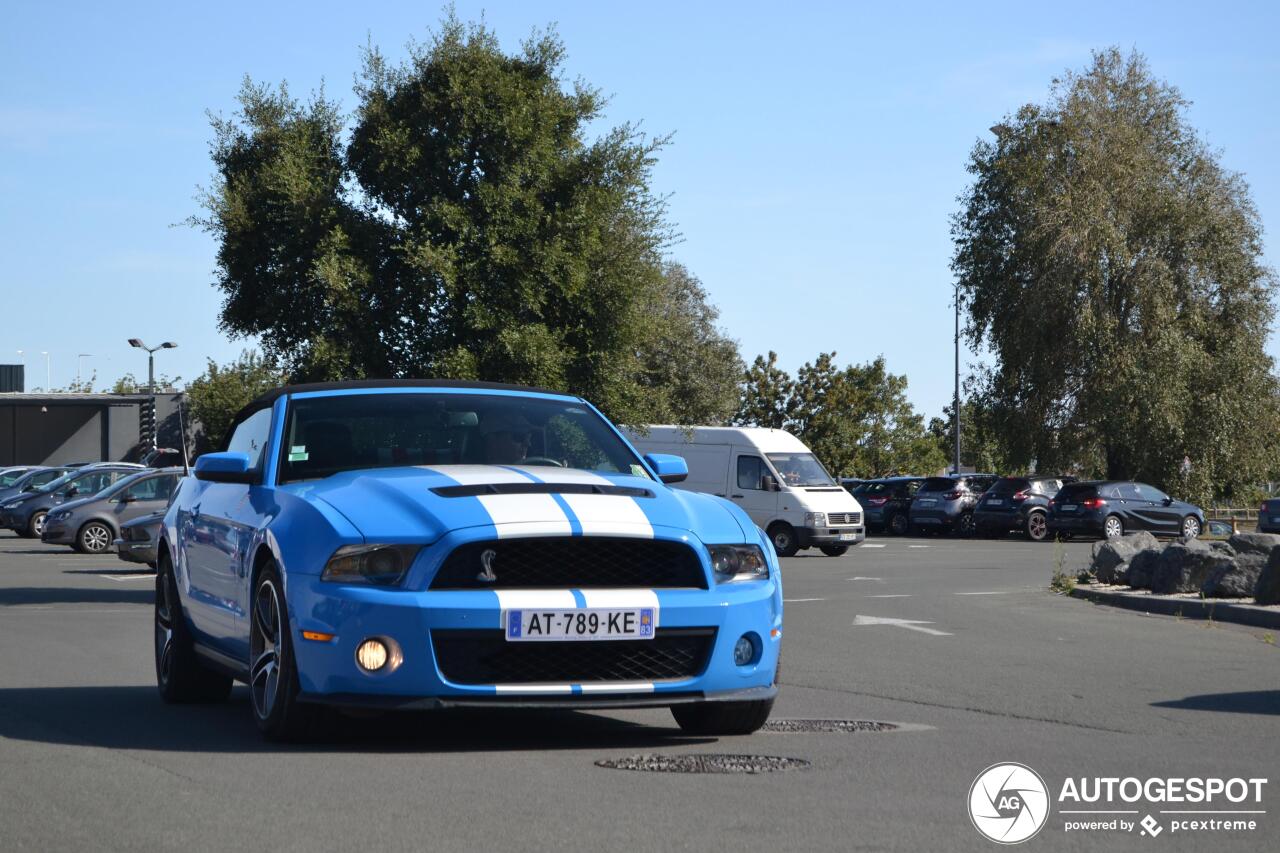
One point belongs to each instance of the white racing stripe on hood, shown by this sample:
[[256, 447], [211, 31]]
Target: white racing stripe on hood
[[619, 599], [536, 599], [610, 515], [526, 515], [619, 687]]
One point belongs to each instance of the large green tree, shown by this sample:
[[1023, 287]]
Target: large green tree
[[1114, 269], [856, 419], [223, 390], [465, 227]]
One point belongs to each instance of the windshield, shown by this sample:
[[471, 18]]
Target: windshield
[[8, 478], [800, 469], [54, 485], [325, 435]]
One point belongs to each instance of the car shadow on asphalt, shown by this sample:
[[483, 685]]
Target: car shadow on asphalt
[[126, 569], [136, 718], [18, 595], [1265, 702]]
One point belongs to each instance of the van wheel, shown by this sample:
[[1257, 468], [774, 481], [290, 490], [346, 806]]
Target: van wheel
[[783, 537], [834, 550]]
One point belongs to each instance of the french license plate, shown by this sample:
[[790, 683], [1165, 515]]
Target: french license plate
[[529, 625], [995, 501], [848, 537], [1069, 507], [927, 502]]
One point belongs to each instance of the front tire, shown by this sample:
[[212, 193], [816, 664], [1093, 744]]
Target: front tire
[[94, 538], [722, 718], [273, 673], [35, 526], [783, 537], [834, 550], [180, 676]]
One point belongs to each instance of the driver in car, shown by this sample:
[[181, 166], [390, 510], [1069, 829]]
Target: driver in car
[[506, 438]]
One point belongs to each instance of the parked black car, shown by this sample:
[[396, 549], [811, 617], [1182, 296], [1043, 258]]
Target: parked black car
[[1112, 508], [139, 538], [1269, 516], [946, 503], [886, 503], [1017, 503]]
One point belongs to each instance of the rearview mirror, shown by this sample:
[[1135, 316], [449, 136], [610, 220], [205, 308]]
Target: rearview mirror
[[770, 484], [225, 468]]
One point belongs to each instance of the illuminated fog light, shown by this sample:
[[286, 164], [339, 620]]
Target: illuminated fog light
[[372, 655], [744, 652]]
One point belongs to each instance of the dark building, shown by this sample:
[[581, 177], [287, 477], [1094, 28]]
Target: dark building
[[11, 379], [51, 429]]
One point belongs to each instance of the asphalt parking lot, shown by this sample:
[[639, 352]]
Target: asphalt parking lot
[[958, 642]]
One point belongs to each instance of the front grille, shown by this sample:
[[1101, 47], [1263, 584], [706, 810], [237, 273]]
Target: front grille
[[485, 657], [581, 562], [844, 518]]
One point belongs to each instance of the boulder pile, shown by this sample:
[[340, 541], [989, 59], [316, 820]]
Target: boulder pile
[[1245, 566]]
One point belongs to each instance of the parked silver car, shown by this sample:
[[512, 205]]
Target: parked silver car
[[91, 524], [138, 539]]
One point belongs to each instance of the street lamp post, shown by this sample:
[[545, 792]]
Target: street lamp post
[[80, 357], [956, 401], [151, 373]]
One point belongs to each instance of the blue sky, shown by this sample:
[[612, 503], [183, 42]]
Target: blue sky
[[818, 149]]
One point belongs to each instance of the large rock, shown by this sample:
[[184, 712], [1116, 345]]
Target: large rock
[[1111, 556], [1254, 543], [1185, 565], [1236, 580], [1142, 567], [1268, 589]]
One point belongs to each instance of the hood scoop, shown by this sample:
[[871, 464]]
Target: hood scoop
[[474, 490]]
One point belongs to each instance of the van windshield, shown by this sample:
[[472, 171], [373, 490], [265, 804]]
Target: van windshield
[[800, 469]]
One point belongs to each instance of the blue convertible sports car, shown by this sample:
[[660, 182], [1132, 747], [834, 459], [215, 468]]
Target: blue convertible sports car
[[432, 544]]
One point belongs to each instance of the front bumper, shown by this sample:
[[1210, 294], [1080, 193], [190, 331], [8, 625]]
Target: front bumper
[[817, 536], [57, 533], [327, 671], [136, 552]]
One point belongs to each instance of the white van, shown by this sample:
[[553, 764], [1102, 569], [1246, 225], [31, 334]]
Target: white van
[[771, 475]]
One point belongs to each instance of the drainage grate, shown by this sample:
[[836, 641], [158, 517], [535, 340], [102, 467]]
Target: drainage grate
[[827, 726], [705, 763]]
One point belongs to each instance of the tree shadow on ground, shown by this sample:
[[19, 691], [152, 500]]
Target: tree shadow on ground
[[136, 718], [1246, 702]]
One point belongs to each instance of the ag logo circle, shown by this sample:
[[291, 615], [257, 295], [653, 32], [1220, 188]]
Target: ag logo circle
[[1008, 803]]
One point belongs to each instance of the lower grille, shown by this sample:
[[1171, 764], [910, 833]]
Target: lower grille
[[844, 518], [485, 657]]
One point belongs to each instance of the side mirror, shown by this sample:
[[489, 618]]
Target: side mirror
[[225, 468], [669, 468], [770, 484], [127, 499], [70, 492], [1168, 501]]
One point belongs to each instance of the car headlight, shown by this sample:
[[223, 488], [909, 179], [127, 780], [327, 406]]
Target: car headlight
[[815, 519], [383, 565], [738, 563], [59, 515]]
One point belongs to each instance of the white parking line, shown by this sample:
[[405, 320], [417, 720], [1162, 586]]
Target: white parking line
[[997, 592], [894, 595], [919, 546], [872, 545], [909, 624], [861, 578], [123, 578]]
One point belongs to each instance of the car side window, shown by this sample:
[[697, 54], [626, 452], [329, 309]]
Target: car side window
[[1129, 492], [750, 473], [150, 489], [251, 437], [1151, 493]]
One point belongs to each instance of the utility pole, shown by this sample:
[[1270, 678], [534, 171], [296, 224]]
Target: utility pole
[[956, 403]]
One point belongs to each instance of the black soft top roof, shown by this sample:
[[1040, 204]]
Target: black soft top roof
[[264, 401]]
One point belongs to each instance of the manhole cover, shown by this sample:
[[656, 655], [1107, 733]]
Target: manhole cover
[[827, 726], [705, 763]]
